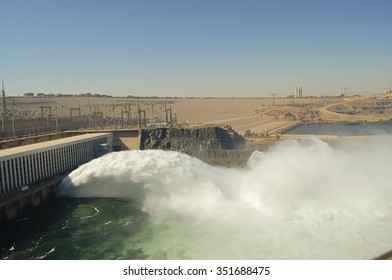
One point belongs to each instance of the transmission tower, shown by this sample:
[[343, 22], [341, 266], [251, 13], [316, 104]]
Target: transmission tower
[[273, 98], [344, 90], [4, 111]]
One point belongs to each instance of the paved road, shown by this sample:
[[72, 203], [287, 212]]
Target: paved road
[[253, 123]]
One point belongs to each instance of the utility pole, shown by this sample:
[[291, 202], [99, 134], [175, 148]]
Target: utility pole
[[13, 120], [4, 107], [168, 112], [3, 97], [152, 111], [138, 111], [57, 118], [171, 116], [43, 113], [126, 112], [166, 118], [114, 116], [151, 103], [98, 116], [89, 112], [273, 98]]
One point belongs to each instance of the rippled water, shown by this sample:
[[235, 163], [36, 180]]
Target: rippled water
[[77, 229]]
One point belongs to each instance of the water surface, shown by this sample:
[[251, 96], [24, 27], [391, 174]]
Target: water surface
[[299, 200], [342, 129]]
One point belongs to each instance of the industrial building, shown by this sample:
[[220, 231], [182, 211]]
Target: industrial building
[[298, 92], [26, 166]]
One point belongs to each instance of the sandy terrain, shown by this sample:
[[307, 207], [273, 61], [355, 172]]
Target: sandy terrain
[[259, 116]]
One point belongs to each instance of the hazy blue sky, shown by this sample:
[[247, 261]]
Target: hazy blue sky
[[195, 48]]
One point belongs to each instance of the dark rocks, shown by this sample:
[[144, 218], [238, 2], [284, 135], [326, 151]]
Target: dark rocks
[[203, 143]]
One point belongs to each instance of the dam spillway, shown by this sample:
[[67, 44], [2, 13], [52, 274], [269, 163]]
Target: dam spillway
[[167, 205], [180, 189]]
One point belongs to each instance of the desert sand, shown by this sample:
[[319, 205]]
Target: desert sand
[[257, 116]]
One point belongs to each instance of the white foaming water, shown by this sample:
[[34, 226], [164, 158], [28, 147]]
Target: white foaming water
[[299, 200]]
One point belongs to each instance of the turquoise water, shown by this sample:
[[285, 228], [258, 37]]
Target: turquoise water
[[77, 229], [299, 200], [342, 129]]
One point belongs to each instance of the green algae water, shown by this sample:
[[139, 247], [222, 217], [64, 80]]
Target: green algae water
[[77, 229], [299, 200]]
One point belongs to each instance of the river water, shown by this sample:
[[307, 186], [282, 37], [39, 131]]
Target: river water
[[342, 129], [299, 200]]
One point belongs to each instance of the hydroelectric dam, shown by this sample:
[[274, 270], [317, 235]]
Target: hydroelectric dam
[[31, 167], [30, 173]]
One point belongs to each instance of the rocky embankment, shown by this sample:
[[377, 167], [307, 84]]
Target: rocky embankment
[[212, 144]]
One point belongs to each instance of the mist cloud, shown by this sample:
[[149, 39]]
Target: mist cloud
[[298, 200]]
